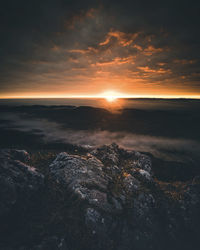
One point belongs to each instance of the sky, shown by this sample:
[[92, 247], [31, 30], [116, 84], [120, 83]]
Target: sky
[[58, 48]]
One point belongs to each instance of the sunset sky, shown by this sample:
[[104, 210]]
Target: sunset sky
[[87, 47]]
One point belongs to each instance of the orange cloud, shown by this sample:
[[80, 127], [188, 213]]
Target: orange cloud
[[138, 47], [147, 69], [161, 63], [124, 39], [80, 51], [184, 61], [116, 61], [73, 60], [150, 50], [84, 51]]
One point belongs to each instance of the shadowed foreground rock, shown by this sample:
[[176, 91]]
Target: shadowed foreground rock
[[18, 181], [19, 185], [112, 200]]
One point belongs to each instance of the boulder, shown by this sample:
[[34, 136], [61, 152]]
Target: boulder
[[123, 206], [109, 182]]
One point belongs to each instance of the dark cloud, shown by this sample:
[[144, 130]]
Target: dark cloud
[[78, 44]]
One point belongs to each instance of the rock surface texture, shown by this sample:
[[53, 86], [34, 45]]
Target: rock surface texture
[[19, 185], [109, 199], [18, 181]]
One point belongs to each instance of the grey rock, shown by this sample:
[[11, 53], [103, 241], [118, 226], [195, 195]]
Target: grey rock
[[131, 184], [18, 181], [109, 199], [52, 243], [84, 176], [108, 154], [122, 203]]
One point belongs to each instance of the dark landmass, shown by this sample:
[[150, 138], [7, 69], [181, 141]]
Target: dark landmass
[[61, 188], [104, 198]]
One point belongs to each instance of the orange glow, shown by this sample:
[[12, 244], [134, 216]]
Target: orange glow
[[110, 96], [38, 96]]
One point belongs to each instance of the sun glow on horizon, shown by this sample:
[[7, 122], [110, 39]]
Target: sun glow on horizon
[[110, 96]]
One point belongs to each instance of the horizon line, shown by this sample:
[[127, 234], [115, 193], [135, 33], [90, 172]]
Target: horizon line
[[101, 96]]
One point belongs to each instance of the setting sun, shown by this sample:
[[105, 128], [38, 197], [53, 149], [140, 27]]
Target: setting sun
[[110, 96]]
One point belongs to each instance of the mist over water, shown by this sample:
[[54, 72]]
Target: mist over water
[[166, 148], [168, 129]]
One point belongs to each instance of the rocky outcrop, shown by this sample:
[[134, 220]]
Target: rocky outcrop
[[122, 205], [107, 198], [18, 181], [105, 178]]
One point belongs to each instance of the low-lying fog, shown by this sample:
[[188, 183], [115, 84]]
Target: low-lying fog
[[162, 147]]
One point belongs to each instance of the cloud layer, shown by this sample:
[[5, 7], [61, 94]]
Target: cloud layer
[[86, 47]]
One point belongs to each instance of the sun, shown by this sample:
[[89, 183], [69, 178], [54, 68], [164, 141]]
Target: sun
[[110, 96]]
